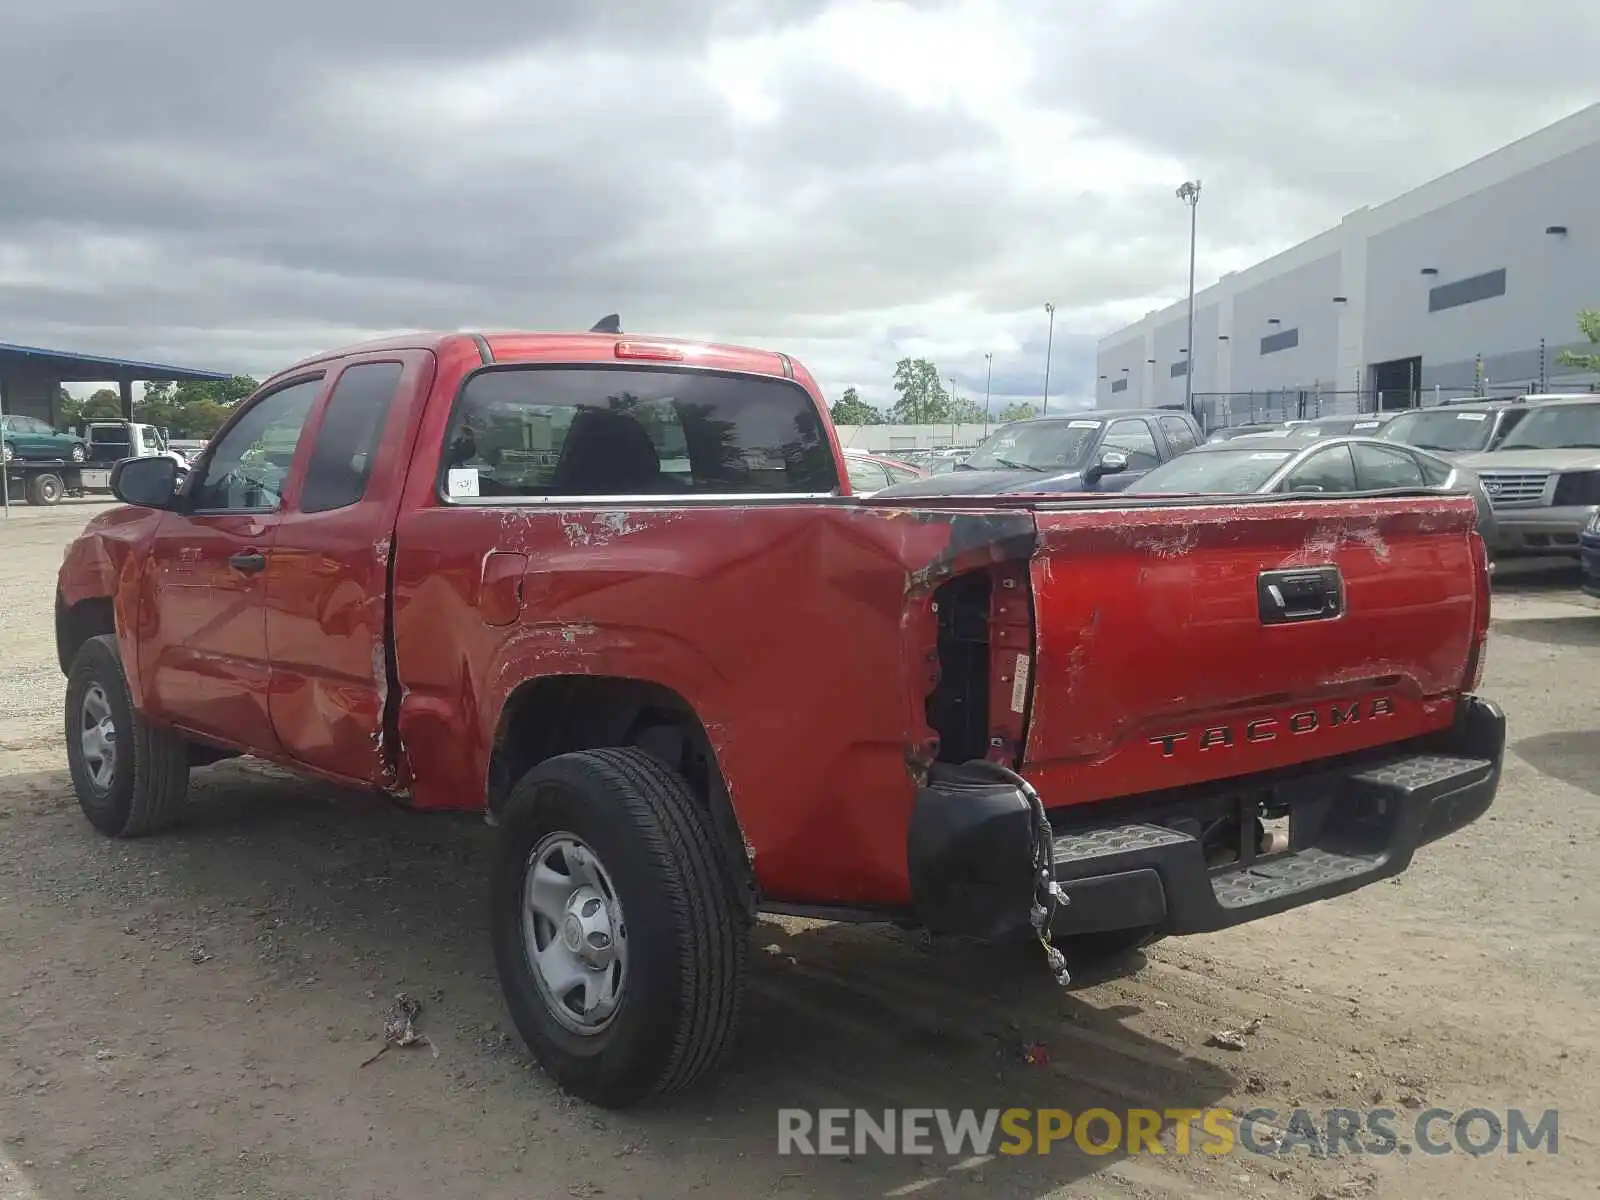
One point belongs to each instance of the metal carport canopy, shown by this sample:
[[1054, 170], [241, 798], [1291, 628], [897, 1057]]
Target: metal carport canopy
[[67, 367]]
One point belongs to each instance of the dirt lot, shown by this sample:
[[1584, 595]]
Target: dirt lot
[[185, 1017]]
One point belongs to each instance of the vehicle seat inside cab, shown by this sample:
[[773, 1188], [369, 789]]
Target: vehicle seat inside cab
[[607, 453]]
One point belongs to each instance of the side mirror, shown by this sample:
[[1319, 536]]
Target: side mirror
[[147, 482], [1111, 462]]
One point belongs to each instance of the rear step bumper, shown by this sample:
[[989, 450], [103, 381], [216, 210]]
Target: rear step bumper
[[1349, 825]]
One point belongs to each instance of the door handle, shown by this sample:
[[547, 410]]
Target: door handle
[[249, 562]]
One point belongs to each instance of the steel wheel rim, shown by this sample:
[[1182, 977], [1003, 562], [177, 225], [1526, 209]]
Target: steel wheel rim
[[97, 737], [574, 934]]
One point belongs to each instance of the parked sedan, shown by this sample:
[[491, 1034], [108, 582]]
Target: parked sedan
[[1262, 465], [29, 438]]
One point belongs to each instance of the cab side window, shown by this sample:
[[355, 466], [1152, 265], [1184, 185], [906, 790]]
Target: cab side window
[[249, 465]]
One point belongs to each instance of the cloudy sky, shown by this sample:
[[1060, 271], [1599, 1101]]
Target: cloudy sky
[[234, 183]]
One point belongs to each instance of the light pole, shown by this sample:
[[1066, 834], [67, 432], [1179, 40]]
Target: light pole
[[952, 380], [1189, 193], [988, 378], [1049, 342]]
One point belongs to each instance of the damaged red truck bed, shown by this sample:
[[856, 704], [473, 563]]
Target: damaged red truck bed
[[615, 592]]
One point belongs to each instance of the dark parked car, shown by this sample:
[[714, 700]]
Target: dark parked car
[[1080, 453], [1238, 431], [30, 439], [1261, 465], [1449, 430], [1361, 425]]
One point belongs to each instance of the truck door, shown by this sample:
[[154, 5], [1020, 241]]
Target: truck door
[[327, 580], [204, 657]]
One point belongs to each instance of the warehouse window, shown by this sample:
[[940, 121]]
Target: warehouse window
[[1119, 385], [1286, 340], [1180, 369], [1467, 291]]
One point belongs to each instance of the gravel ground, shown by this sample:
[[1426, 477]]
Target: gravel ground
[[185, 1017]]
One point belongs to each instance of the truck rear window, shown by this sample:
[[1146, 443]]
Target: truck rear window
[[541, 431]]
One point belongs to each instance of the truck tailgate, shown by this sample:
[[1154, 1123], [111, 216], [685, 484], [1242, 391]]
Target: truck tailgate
[[1169, 650]]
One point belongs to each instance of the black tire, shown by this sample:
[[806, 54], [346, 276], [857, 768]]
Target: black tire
[[146, 789], [686, 936], [45, 489]]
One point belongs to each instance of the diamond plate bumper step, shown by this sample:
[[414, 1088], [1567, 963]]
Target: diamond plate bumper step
[[1348, 828]]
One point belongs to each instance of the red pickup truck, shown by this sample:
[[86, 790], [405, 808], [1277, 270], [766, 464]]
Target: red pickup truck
[[615, 592]]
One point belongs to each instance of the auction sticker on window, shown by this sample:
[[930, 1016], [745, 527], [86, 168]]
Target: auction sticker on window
[[461, 483], [1472, 416]]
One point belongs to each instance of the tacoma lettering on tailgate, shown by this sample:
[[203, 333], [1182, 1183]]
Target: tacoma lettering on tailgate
[[1268, 729]]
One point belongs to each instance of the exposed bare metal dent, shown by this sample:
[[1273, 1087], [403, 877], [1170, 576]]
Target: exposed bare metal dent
[[1370, 537], [591, 528], [380, 550]]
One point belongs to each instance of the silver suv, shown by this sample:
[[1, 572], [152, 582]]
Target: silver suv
[[1544, 478]]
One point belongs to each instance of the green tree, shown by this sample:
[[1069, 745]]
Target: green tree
[[923, 400], [221, 391], [1589, 322], [1021, 411], [851, 409], [104, 405], [964, 410]]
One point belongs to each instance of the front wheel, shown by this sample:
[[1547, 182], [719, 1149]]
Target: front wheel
[[619, 942], [131, 779]]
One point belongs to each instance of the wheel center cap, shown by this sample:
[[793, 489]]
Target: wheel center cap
[[572, 933]]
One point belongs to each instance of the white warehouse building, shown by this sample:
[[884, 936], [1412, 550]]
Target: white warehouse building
[[1470, 284]]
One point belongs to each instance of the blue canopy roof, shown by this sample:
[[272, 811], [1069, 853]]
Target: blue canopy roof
[[70, 367]]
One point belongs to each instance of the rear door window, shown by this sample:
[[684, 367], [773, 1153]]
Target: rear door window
[[1134, 439], [1379, 467], [866, 475], [540, 431], [1327, 470], [1179, 436], [352, 424]]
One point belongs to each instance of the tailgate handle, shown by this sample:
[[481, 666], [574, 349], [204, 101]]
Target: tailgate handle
[[1308, 594]]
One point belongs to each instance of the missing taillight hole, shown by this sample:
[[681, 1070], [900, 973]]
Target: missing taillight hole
[[958, 708]]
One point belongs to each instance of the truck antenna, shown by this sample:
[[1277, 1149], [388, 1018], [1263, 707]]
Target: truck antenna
[[608, 324]]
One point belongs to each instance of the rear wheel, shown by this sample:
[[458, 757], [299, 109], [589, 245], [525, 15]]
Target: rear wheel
[[45, 489], [619, 942], [131, 779]]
